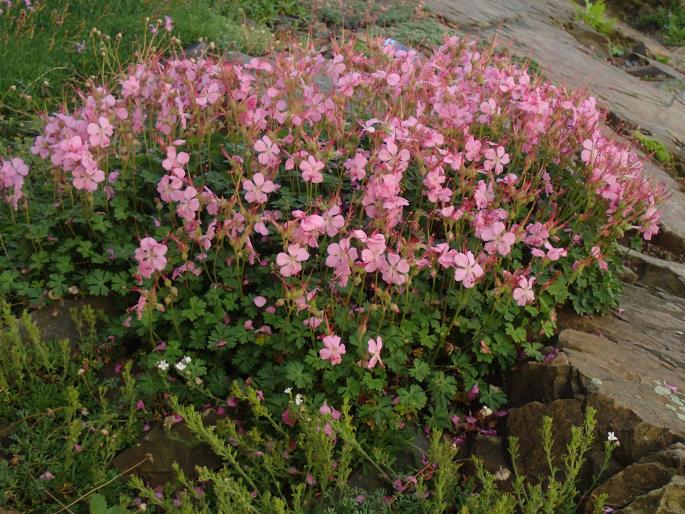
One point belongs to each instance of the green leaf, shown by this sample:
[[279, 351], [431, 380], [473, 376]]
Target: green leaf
[[98, 504], [295, 373], [420, 371], [412, 399], [196, 309], [97, 282]]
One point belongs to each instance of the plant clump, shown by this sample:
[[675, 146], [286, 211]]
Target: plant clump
[[382, 226]]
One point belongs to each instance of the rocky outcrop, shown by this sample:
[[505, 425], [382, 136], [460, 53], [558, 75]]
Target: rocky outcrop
[[629, 368]]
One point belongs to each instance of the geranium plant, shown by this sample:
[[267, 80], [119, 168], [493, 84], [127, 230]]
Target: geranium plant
[[381, 225]]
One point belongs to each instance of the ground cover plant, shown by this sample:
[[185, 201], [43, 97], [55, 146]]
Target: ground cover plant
[[369, 229], [383, 227]]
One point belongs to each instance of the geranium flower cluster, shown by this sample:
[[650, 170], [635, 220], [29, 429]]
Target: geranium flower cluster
[[361, 176]]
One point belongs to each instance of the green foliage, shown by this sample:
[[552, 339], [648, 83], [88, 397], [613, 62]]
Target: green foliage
[[425, 32], [557, 493], [668, 22], [653, 147], [58, 44], [594, 14], [60, 422]]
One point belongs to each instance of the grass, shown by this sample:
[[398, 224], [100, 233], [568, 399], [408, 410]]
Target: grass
[[47, 50]]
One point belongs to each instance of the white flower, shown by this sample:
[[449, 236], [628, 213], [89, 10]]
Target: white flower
[[162, 365], [180, 366], [486, 411], [502, 474], [288, 390], [298, 399], [611, 437], [186, 360]]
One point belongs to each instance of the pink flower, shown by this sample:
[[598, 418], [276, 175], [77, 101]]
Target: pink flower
[[340, 256], [268, 152], [168, 23], [498, 239], [333, 350], [188, 204], [523, 294], [536, 234], [100, 132], [553, 254], [496, 159], [356, 167], [311, 170], [150, 256], [374, 348], [372, 255], [259, 301], [87, 175], [169, 188], [466, 269], [395, 272], [290, 262], [326, 410], [175, 162], [257, 188], [333, 220]]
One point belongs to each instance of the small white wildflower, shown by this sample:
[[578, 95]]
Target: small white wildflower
[[180, 366], [298, 399], [163, 365], [142, 507], [486, 411], [186, 359], [611, 437], [81, 371], [502, 474], [288, 390]]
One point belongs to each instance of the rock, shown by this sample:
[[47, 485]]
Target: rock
[[641, 485], [492, 452], [656, 273], [630, 483], [535, 30], [540, 381], [628, 367], [525, 423], [669, 499], [165, 448], [56, 323], [591, 39]]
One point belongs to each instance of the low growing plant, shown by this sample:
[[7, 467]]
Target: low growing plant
[[384, 227], [61, 423]]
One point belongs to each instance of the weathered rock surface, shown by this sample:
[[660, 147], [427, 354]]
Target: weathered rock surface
[[656, 273], [641, 487], [669, 499], [525, 423], [629, 367], [158, 451], [536, 29], [56, 322]]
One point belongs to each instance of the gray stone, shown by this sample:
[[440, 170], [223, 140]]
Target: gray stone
[[669, 499], [159, 449], [656, 273], [525, 423]]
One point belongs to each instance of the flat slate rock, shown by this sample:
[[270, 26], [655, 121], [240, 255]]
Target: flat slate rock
[[535, 29]]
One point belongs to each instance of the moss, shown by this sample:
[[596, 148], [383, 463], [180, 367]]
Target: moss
[[653, 147]]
